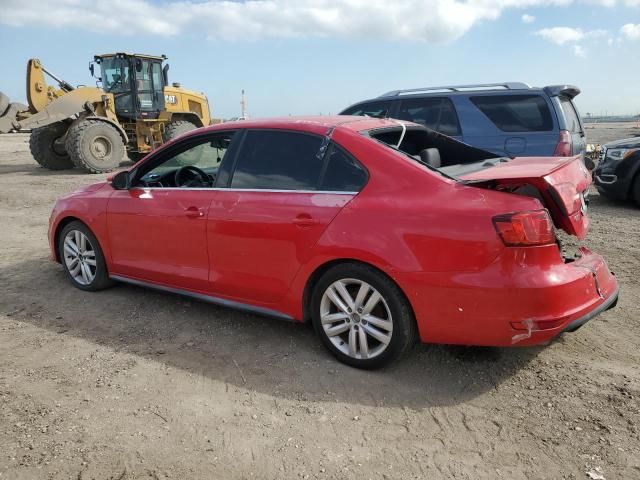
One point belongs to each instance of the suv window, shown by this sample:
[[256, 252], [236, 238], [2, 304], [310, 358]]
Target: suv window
[[516, 113], [278, 160], [434, 113], [570, 116], [343, 172], [371, 109]]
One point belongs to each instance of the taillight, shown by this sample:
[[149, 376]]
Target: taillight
[[525, 229], [563, 148]]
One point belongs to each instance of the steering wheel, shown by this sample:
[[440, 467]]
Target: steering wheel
[[191, 176]]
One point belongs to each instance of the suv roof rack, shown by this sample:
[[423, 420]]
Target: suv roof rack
[[460, 88]]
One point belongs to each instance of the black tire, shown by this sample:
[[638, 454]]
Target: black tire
[[95, 146], [101, 278], [4, 103], [176, 128], [47, 146], [403, 334]]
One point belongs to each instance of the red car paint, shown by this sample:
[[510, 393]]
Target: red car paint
[[434, 236]]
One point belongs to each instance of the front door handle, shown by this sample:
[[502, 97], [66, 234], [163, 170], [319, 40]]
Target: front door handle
[[194, 212], [305, 220]]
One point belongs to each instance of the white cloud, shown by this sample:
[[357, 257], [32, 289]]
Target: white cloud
[[631, 31], [415, 20], [579, 51], [526, 18], [563, 35]]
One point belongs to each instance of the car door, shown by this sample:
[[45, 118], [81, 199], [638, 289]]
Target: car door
[[157, 230], [281, 195]]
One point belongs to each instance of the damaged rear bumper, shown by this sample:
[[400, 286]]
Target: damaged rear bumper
[[524, 298]]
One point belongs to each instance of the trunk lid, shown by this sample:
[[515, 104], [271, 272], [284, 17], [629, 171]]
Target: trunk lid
[[561, 185]]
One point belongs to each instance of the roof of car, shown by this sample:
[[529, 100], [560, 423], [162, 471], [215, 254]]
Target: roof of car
[[313, 123]]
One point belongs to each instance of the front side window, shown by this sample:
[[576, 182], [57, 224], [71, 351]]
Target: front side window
[[435, 113], [371, 109], [115, 74], [278, 160], [198, 161], [516, 113]]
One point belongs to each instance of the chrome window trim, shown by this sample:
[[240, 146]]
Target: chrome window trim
[[224, 189]]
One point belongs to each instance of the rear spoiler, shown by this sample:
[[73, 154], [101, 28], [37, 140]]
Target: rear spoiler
[[569, 91]]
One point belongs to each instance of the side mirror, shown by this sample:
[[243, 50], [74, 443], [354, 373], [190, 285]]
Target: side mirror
[[91, 69], [121, 181], [138, 65]]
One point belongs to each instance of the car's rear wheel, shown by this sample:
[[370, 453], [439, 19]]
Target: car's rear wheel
[[362, 316], [82, 257]]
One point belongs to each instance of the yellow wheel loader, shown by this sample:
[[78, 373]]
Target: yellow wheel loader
[[133, 110]]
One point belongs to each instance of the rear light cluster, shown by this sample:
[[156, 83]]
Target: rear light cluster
[[563, 148], [525, 229]]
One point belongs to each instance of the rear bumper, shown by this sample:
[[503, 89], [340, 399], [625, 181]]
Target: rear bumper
[[523, 299], [610, 302]]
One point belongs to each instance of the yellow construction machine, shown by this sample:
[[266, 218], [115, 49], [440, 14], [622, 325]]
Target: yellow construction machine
[[132, 109]]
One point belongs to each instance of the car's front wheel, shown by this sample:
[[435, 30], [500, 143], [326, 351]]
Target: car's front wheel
[[82, 257], [362, 316]]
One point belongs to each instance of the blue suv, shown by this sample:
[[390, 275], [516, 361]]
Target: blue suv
[[508, 119]]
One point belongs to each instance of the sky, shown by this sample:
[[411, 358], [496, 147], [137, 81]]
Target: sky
[[295, 57]]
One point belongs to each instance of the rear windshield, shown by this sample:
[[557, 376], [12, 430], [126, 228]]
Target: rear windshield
[[570, 116], [436, 151], [516, 113]]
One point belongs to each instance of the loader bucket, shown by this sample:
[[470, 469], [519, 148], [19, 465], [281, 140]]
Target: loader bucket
[[8, 120]]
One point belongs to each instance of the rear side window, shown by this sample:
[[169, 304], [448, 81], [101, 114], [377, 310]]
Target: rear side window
[[516, 113], [278, 160], [570, 116], [435, 113], [371, 109], [343, 173]]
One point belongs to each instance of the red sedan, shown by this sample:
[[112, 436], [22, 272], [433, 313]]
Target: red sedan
[[377, 231]]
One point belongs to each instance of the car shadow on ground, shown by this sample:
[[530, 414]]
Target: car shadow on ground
[[261, 354]]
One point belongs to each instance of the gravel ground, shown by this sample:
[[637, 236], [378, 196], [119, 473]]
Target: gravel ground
[[129, 383]]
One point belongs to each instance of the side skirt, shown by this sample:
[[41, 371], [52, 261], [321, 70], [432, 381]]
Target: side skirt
[[207, 298]]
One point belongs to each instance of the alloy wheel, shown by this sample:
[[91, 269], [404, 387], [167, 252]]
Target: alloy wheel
[[80, 257], [356, 318]]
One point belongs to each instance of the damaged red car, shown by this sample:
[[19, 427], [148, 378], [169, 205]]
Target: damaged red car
[[379, 232]]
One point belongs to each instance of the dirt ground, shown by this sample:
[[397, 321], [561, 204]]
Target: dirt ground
[[130, 383]]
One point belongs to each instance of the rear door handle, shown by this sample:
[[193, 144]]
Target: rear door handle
[[194, 212], [305, 220]]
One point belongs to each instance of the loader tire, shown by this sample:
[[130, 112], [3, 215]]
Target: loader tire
[[176, 128], [47, 147], [95, 146], [4, 103]]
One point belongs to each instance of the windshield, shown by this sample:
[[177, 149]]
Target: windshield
[[436, 151], [115, 74]]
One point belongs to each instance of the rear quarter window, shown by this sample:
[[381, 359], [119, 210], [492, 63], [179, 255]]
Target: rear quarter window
[[516, 113], [343, 173], [570, 115]]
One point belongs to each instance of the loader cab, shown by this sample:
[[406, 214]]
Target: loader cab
[[136, 81]]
